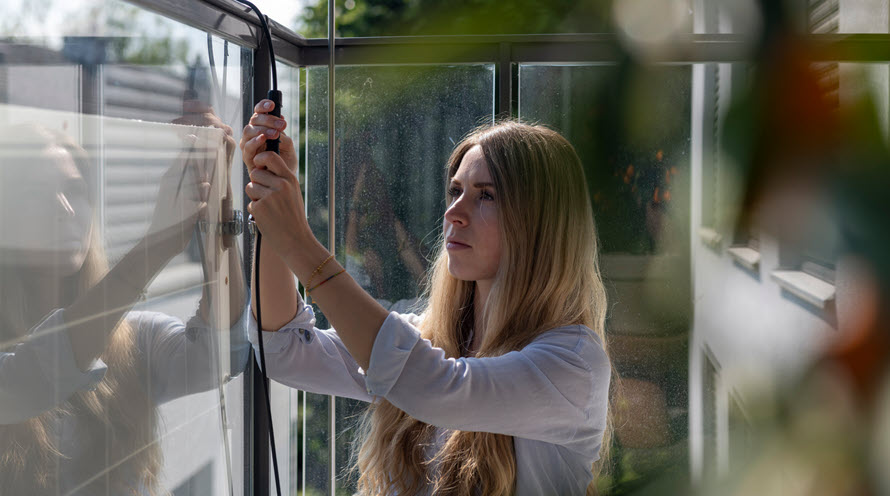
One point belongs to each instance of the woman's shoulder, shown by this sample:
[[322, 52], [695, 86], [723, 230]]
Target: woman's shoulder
[[577, 339], [578, 334]]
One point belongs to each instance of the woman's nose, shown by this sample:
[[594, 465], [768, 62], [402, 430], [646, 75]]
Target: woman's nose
[[65, 204], [456, 212]]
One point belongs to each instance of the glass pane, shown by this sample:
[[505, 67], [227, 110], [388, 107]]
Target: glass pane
[[287, 408], [634, 144], [395, 128], [122, 333], [631, 128]]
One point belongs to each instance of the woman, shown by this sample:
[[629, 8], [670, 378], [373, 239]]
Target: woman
[[80, 373], [500, 385]]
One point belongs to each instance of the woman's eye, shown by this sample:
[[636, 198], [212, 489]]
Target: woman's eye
[[486, 196], [453, 192]]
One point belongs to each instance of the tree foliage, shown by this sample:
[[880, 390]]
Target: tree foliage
[[455, 17]]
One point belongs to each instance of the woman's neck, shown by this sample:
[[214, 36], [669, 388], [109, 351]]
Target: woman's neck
[[480, 299]]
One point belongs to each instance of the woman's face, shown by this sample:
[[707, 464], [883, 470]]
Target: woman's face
[[472, 231], [46, 215]]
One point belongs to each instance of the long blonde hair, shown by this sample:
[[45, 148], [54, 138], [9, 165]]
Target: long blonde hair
[[117, 418], [548, 276]]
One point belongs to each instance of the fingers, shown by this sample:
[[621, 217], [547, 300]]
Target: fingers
[[270, 127], [265, 178], [264, 105], [262, 121], [273, 162], [268, 121], [204, 192], [252, 130], [211, 119], [256, 191], [286, 142], [200, 114], [251, 148]]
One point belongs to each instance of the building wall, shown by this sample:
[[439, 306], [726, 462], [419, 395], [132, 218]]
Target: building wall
[[750, 334]]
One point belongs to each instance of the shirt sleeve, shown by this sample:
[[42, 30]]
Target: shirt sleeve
[[183, 357], [554, 390], [40, 372], [302, 356]]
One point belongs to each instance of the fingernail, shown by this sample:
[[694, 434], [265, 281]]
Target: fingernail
[[267, 105], [279, 124], [271, 132]]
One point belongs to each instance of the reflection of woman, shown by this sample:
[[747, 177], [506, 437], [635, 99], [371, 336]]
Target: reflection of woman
[[500, 386], [80, 374]]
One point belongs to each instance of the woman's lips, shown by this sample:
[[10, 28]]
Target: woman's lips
[[454, 245]]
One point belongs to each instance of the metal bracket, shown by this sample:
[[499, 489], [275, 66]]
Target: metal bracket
[[232, 227], [251, 226]]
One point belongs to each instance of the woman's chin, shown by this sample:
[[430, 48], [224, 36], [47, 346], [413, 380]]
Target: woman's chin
[[460, 273]]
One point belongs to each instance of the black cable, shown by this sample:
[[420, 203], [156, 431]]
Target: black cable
[[268, 40], [256, 283], [271, 145]]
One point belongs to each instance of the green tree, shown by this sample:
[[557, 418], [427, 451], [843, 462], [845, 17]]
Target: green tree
[[456, 17]]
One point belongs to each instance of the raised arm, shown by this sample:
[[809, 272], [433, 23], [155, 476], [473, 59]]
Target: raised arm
[[278, 290], [277, 205]]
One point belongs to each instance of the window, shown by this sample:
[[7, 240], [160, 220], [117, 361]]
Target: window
[[103, 121], [710, 419]]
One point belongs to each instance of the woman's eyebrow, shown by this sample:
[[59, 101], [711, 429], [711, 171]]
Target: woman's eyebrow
[[475, 185]]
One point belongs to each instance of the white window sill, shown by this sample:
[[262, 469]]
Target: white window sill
[[745, 256], [811, 289], [710, 237]]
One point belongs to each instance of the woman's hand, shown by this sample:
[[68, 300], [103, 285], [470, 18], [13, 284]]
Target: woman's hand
[[197, 113], [182, 200], [276, 201], [267, 126]]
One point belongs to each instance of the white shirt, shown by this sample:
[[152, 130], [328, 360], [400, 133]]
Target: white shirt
[[551, 396]]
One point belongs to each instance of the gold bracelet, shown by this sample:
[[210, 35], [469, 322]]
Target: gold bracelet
[[317, 269]]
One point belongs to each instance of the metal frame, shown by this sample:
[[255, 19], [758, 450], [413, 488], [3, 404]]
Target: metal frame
[[230, 20]]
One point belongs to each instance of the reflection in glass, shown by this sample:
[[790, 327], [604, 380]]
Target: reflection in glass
[[631, 128], [121, 288]]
